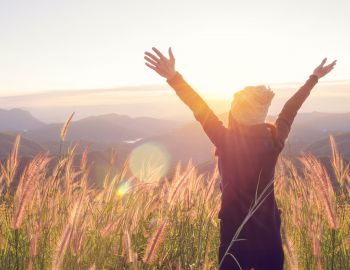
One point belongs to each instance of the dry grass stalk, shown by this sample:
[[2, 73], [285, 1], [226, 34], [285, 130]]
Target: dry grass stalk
[[67, 234], [315, 232], [84, 159], [323, 187], [180, 182], [108, 229], [8, 172], [154, 243], [211, 184], [68, 212], [27, 185], [127, 246], [65, 127], [340, 169], [291, 251]]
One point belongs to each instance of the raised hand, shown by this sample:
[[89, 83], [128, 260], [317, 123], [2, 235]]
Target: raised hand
[[323, 70], [165, 67]]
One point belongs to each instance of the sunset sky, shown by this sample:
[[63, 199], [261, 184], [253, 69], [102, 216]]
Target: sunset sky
[[220, 46]]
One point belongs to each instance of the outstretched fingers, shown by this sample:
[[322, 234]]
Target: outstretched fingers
[[152, 67], [164, 66], [323, 62], [151, 61], [160, 55], [332, 64], [153, 57], [171, 55]]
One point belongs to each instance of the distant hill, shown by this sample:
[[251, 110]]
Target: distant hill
[[184, 142], [17, 120], [322, 148], [190, 141], [104, 129], [97, 161], [325, 121], [27, 148]]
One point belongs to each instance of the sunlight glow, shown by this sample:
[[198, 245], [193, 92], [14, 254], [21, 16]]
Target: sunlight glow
[[122, 189], [149, 161]]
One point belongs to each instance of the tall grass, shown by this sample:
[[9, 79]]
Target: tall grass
[[53, 219]]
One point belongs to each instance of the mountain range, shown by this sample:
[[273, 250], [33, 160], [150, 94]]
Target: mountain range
[[17, 120], [106, 129], [184, 141]]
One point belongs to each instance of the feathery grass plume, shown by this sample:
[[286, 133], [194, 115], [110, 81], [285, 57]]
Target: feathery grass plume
[[65, 127], [94, 238], [9, 171], [315, 232], [135, 261], [78, 241], [62, 246], [180, 182], [154, 243], [211, 184], [134, 219], [109, 227], [2, 184], [340, 169], [69, 173], [78, 236], [291, 253], [33, 231], [323, 187], [84, 159], [67, 234], [206, 262], [127, 246], [27, 185]]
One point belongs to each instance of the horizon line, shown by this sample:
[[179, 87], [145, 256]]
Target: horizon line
[[141, 87]]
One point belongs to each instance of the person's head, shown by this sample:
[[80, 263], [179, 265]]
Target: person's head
[[250, 105]]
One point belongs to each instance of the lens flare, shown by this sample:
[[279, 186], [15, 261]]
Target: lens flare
[[149, 162], [122, 189]]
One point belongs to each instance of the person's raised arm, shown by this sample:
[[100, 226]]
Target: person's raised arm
[[165, 67], [290, 109]]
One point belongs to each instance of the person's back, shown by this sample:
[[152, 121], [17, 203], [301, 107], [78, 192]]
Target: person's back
[[246, 162], [247, 154]]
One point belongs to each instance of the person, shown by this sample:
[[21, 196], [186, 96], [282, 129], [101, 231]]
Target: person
[[247, 153]]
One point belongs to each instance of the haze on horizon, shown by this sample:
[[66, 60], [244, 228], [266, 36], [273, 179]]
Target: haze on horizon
[[220, 46]]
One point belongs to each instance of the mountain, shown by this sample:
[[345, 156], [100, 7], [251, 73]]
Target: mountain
[[104, 129], [322, 148], [98, 161], [27, 147], [186, 143], [325, 121], [190, 141], [16, 120]]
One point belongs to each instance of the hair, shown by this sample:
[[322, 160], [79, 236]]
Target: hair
[[250, 105]]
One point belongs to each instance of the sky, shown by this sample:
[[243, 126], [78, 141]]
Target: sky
[[220, 46]]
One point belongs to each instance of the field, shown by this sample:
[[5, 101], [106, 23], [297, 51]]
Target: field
[[54, 220]]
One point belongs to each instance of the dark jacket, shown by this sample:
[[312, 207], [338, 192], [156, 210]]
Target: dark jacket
[[247, 157]]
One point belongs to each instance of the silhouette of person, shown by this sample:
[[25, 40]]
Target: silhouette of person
[[247, 153]]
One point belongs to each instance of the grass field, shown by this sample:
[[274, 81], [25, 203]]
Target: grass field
[[54, 220]]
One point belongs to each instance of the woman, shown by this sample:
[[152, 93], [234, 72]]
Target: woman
[[247, 154]]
